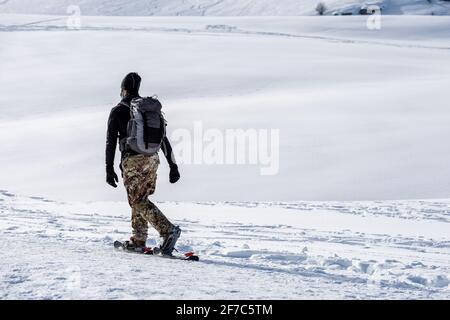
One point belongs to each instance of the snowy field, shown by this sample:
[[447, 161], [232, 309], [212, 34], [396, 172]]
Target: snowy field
[[363, 116], [297, 250]]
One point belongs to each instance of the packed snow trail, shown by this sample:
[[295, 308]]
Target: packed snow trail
[[306, 250]]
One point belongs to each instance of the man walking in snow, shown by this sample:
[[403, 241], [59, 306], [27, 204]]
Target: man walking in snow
[[139, 169]]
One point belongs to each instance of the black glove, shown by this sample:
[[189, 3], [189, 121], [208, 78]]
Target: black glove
[[111, 178], [174, 175]]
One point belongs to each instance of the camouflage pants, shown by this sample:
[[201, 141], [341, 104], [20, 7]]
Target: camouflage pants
[[139, 178]]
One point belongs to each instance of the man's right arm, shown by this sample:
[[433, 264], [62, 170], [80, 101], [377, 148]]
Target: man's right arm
[[111, 144]]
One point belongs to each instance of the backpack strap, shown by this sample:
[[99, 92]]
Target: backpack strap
[[145, 130]]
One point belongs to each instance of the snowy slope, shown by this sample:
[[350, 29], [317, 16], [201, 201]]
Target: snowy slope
[[362, 114], [218, 7], [300, 250]]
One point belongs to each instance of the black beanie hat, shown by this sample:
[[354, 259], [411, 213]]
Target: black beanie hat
[[131, 83]]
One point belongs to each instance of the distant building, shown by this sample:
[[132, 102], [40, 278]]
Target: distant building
[[371, 8]]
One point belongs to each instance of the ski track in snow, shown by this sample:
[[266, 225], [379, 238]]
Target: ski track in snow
[[64, 250], [216, 29], [411, 210]]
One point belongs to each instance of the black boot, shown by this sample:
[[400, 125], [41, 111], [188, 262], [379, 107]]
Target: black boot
[[134, 245], [169, 241]]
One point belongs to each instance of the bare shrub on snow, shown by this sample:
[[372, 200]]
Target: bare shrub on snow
[[321, 8]]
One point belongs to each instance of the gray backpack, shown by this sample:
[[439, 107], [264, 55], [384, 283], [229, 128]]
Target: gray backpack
[[147, 127]]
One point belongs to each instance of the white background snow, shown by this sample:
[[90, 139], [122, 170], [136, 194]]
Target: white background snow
[[363, 117]]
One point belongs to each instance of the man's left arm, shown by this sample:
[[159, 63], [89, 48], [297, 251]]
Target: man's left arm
[[168, 153]]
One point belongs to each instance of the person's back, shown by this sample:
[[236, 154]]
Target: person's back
[[139, 172]]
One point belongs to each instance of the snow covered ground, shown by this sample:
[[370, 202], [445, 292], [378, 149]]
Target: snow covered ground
[[363, 115], [297, 250], [220, 7]]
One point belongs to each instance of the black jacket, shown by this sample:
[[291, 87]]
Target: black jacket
[[117, 130]]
